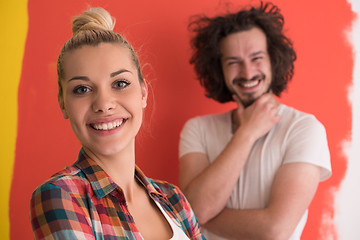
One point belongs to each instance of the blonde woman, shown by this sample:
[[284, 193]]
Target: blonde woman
[[104, 195]]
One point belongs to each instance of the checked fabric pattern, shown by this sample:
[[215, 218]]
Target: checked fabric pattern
[[82, 202]]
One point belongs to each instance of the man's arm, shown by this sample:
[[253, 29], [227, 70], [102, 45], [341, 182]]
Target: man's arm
[[292, 191], [199, 180]]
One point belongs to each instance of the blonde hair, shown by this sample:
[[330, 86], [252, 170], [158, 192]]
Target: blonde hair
[[92, 27], [94, 18]]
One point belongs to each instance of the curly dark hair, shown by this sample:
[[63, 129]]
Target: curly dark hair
[[210, 31]]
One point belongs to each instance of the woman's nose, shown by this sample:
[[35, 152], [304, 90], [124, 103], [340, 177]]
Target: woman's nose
[[103, 102]]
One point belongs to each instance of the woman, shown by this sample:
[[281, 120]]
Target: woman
[[104, 195]]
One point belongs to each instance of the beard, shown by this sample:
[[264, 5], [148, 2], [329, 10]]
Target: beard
[[250, 99], [248, 102]]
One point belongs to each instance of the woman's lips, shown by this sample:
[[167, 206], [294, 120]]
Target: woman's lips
[[102, 126]]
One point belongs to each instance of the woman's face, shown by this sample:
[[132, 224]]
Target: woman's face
[[103, 98]]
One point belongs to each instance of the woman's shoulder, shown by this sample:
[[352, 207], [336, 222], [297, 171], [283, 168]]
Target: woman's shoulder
[[70, 180], [58, 206], [167, 189], [163, 186]]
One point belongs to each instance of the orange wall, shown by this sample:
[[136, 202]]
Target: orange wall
[[157, 29]]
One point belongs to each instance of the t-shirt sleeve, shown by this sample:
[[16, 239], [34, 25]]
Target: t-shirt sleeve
[[307, 142], [191, 138]]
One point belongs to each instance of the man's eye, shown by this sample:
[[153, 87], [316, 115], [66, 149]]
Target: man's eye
[[231, 63], [81, 90], [121, 84]]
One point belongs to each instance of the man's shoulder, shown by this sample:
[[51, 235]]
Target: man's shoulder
[[292, 118], [293, 114], [211, 118]]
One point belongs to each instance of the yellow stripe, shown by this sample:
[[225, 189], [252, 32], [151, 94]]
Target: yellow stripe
[[13, 25]]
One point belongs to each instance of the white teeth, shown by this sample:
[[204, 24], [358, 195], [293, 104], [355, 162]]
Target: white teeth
[[107, 126], [249, 84]]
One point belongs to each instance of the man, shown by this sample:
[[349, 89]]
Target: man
[[250, 173]]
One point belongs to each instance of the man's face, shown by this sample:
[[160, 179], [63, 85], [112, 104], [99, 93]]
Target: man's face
[[246, 64]]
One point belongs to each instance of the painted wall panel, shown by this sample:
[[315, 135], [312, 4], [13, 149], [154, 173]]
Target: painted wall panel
[[13, 25], [158, 30]]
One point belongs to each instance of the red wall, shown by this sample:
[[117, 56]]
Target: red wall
[[158, 30]]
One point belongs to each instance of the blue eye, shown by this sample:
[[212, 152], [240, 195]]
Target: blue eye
[[121, 84], [81, 90]]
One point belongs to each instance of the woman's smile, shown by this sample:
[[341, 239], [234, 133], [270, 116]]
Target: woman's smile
[[103, 126]]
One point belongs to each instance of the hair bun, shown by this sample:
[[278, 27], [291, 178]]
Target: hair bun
[[93, 19]]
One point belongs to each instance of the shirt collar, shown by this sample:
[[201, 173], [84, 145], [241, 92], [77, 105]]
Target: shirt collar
[[101, 182], [152, 188]]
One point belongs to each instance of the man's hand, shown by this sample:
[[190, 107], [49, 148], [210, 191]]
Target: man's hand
[[257, 119]]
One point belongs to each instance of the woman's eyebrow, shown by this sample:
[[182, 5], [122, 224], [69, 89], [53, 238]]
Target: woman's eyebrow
[[119, 72], [79, 78], [114, 74]]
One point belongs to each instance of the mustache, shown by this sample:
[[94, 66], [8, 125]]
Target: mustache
[[241, 79]]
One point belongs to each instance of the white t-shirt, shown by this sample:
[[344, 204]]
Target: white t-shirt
[[297, 137], [178, 233]]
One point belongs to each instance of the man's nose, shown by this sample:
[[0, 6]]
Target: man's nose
[[247, 71]]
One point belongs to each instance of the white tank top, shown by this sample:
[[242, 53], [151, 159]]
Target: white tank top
[[178, 233]]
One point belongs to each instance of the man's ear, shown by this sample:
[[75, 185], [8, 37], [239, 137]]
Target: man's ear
[[62, 106], [144, 93]]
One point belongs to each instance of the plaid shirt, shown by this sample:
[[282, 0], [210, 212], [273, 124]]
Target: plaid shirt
[[83, 202]]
